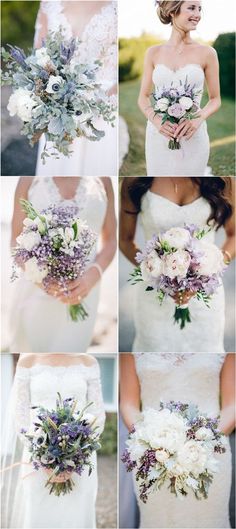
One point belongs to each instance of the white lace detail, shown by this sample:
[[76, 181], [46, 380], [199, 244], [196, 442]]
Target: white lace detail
[[21, 391]]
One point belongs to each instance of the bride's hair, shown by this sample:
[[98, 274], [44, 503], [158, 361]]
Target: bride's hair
[[216, 190], [166, 9]]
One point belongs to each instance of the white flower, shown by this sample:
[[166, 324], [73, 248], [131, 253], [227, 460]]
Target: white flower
[[186, 102], [21, 103], [28, 222], [151, 266], [164, 430], [40, 225], [89, 417], [204, 434], [162, 104], [162, 456], [33, 272], [136, 447], [81, 226], [69, 235], [212, 260], [192, 457], [54, 83], [176, 264], [177, 238], [47, 460], [40, 436], [29, 240], [42, 57]]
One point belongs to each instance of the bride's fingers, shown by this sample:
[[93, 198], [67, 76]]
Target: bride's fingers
[[183, 132]]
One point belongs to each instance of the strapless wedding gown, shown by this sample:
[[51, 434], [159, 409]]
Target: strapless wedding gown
[[192, 158], [33, 506], [154, 323], [187, 378], [39, 322], [98, 42]]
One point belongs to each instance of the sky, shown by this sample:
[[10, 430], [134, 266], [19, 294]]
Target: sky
[[138, 16]]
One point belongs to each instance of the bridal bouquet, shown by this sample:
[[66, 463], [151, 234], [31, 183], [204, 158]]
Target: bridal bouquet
[[61, 443], [176, 103], [180, 262], [54, 248], [174, 445], [54, 93]]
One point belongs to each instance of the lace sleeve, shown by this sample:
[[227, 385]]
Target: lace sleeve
[[21, 399], [94, 394]]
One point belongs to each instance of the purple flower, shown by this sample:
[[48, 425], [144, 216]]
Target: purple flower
[[176, 110]]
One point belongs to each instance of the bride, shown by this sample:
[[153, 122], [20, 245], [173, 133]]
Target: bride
[[205, 380], [95, 24], [164, 203], [38, 378], [39, 319], [169, 65]]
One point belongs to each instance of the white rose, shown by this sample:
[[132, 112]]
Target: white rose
[[176, 237], [167, 431], [176, 264], [204, 434], [162, 104], [53, 84], [21, 103], [186, 102], [151, 267], [42, 57], [33, 272], [29, 240], [212, 260], [192, 457], [162, 456]]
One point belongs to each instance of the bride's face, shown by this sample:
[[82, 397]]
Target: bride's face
[[189, 16]]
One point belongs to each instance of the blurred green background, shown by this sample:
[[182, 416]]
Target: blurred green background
[[109, 436], [221, 126], [18, 21]]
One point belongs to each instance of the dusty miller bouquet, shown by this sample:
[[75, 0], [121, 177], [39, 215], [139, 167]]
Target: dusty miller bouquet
[[55, 94], [174, 445]]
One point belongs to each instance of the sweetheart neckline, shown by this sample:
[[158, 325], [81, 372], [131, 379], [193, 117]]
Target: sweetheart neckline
[[175, 203], [178, 69]]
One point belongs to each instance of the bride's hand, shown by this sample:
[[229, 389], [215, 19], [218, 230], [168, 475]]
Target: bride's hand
[[168, 129], [61, 478], [182, 298], [78, 289], [188, 127]]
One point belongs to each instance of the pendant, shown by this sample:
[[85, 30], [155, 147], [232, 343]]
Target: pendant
[[176, 188]]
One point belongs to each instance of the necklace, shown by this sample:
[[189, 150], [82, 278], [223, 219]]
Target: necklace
[[175, 185]]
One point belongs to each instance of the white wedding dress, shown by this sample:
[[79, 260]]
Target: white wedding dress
[[33, 506], [192, 158], [39, 322], [154, 323], [98, 42], [186, 378]]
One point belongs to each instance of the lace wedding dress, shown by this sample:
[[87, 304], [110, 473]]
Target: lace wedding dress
[[192, 158], [154, 323], [39, 322], [98, 42], [187, 378], [33, 506]]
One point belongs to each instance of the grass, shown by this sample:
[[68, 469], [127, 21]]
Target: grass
[[220, 128]]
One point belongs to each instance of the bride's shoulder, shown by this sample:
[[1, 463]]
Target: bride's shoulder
[[87, 360], [208, 52], [26, 360], [153, 52]]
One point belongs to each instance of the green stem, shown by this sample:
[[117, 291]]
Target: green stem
[[182, 316], [174, 145], [77, 312]]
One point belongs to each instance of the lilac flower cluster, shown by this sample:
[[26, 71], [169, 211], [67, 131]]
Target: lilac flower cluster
[[176, 103], [62, 442], [180, 262], [54, 247], [175, 444]]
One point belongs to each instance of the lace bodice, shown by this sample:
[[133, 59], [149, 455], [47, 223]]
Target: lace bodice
[[165, 76], [39, 385], [98, 38], [90, 197], [159, 214], [186, 377]]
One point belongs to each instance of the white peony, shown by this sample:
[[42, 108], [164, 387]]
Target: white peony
[[176, 264], [192, 457], [204, 434], [29, 240], [42, 57], [136, 447], [212, 260], [176, 237], [53, 84], [162, 456], [186, 102], [162, 104], [165, 430], [21, 103], [33, 272], [151, 266]]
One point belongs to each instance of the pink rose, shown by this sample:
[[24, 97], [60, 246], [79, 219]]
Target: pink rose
[[176, 110]]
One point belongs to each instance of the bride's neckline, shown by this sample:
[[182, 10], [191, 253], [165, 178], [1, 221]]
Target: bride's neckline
[[175, 203], [91, 19], [58, 191], [175, 70]]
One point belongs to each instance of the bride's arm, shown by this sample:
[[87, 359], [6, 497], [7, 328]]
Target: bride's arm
[[94, 394], [227, 391], [144, 101], [128, 221], [129, 390], [228, 248]]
